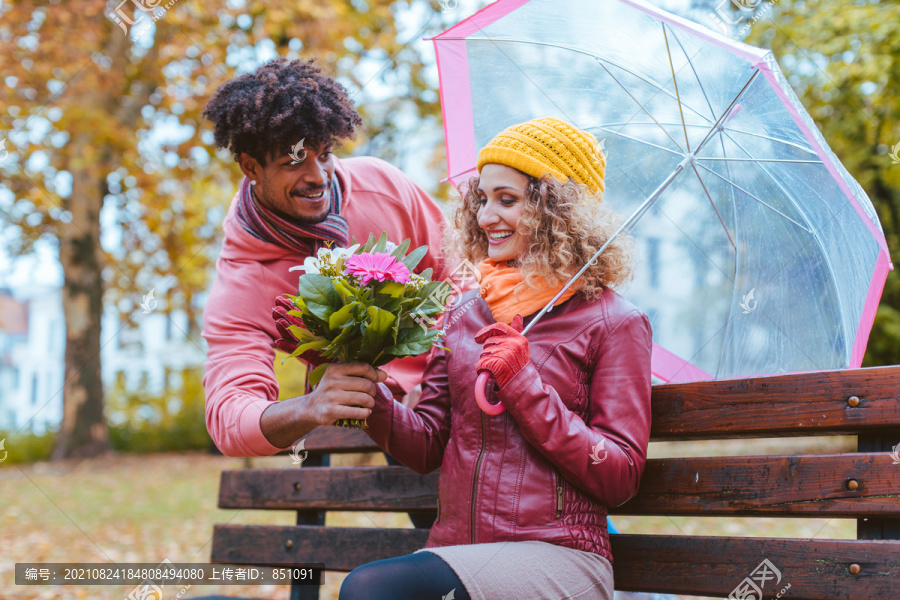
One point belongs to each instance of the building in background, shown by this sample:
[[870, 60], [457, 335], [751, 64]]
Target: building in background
[[32, 337], [148, 351]]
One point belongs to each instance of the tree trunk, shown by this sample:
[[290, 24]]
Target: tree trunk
[[83, 432]]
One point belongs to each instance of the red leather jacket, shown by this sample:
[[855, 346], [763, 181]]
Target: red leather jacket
[[572, 441]]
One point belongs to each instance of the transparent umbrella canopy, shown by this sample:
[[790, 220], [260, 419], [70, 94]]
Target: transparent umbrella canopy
[[758, 252]]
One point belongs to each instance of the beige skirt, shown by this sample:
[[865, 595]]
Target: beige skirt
[[533, 570]]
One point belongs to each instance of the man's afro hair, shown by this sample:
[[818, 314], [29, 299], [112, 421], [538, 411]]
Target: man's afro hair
[[265, 113]]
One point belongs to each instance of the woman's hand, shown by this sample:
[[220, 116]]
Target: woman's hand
[[505, 350]]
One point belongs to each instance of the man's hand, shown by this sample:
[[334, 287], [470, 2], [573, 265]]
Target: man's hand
[[347, 391]]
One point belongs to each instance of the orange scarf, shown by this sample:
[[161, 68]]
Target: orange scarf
[[505, 291]]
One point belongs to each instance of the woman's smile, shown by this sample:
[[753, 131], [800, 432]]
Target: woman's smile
[[499, 236]]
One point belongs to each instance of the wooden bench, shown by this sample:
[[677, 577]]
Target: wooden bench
[[864, 486]]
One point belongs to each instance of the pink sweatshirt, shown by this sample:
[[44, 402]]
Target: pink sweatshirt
[[237, 321]]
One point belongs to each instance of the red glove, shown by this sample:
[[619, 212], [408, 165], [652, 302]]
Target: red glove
[[505, 350], [288, 342]]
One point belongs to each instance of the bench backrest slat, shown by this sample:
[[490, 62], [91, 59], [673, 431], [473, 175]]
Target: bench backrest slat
[[799, 486], [780, 405], [715, 566]]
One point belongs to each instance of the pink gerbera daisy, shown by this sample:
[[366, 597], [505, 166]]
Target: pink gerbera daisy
[[376, 265]]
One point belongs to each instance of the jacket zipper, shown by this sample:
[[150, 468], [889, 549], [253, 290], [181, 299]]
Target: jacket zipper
[[475, 483], [559, 493]]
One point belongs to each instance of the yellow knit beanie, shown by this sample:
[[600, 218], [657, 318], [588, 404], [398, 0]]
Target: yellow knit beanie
[[548, 145]]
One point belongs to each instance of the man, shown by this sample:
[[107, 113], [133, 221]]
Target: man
[[281, 123]]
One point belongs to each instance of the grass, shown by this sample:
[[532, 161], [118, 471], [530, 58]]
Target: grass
[[148, 508]]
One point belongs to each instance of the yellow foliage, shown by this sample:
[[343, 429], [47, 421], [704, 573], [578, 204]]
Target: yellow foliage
[[291, 376]]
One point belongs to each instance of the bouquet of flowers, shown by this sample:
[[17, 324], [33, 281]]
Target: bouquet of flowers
[[362, 303]]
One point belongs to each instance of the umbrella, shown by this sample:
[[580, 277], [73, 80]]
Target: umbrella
[[759, 253]]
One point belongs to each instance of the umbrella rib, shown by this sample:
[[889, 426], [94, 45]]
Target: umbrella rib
[[787, 195], [766, 171], [634, 139], [640, 105], [696, 76], [763, 202], [773, 139], [578, 51], [718, 124], [731, 129], [777, 160], [713, 204], [709, 105], [677, 95]]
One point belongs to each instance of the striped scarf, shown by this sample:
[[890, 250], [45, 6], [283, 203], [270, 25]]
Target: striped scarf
[[275, 229]]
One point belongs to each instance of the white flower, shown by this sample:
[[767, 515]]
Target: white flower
[[345, 253], [310, 265], [325, 257], [389, 247]]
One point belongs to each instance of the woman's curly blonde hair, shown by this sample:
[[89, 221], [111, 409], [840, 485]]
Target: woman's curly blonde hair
[[564, 223]]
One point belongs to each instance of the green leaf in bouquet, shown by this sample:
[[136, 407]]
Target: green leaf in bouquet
[[415, 257], [400, 251], [354, 348], [413, 342], [379, 324], [415, 334], [317, 326], [297, 301], [302, 335], [341, 317], [381, 246], [435, 288], [332, 353], [341, 343], [370, 243], [347, 292], [434, 297], [407, 321], [377, 335], [427, 273], [319, 294], [313, 345], [387, 303], [315, 376], [390, 288], [407, 303]]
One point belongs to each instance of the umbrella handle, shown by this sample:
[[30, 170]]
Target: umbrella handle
[[481, 398]]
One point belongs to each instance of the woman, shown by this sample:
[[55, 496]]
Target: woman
[[523, 495]]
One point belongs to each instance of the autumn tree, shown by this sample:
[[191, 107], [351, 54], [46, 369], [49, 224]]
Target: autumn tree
[[101, 116]]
